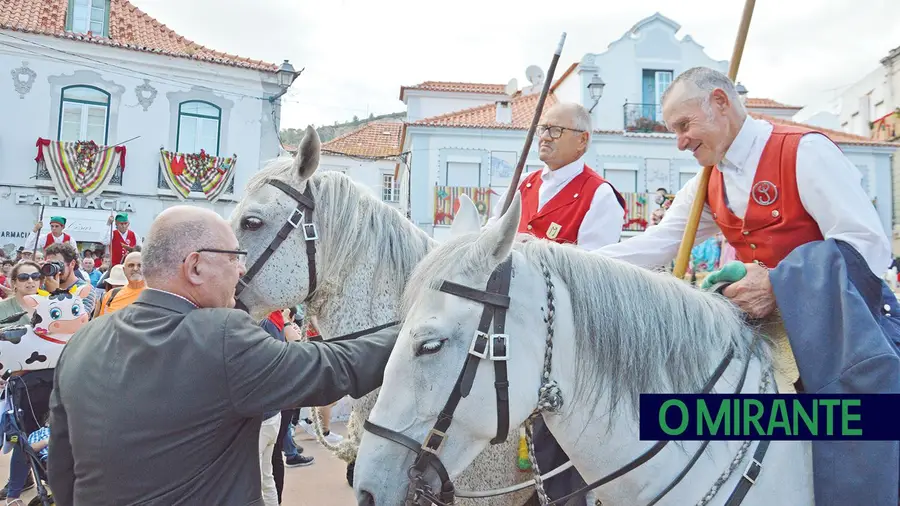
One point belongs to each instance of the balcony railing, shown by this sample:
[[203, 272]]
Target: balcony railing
[[161, 184], [42, 174], [644, 118], [887, 128]]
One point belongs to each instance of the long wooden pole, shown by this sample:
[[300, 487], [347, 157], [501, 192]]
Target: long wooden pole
[[693, 222], [514, 184]]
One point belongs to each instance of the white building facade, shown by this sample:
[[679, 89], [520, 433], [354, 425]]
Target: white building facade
[[132, 83], [475, 149]]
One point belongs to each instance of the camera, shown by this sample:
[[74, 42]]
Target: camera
[[50, 269]]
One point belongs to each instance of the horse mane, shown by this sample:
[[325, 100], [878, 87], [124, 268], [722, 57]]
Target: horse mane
[[353, 224], [636, 331]]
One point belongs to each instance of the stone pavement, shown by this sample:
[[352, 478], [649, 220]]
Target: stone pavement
[[323, 483]]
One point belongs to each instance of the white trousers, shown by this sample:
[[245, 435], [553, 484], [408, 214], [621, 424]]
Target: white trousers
[[268, 434]]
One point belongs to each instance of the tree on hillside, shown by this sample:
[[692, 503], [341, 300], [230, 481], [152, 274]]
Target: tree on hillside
[[291, 136]]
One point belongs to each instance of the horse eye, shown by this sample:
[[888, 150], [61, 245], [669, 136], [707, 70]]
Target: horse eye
[[430, 347], [250, 223]]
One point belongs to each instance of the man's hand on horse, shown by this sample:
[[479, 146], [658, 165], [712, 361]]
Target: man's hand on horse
[[753, 294]]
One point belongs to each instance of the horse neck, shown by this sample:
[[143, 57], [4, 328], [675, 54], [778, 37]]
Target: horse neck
[[599, 446], [360, 301]]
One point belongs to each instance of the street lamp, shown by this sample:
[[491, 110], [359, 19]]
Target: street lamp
[[285, 76], [596, 89]]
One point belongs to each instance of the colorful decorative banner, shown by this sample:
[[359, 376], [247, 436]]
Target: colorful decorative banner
[[636, 213], [446, 202], [182, 170], [79, 168]]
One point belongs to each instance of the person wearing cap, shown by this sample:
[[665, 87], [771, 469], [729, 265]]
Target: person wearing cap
[[56, 235], [127, 281], [121, 242]]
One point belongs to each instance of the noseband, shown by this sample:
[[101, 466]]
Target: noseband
[[301, 216], [486, 345]]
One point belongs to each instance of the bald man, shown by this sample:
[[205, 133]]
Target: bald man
[[122, 296], [567, 201], [160, 403]]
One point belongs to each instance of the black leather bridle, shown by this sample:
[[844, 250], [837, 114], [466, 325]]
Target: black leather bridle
[[486, 345], [301, 217]]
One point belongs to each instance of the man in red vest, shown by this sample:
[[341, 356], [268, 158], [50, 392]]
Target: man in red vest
[[57, 234], [567, 201], [773, 188], [792, 206], [123, 240]]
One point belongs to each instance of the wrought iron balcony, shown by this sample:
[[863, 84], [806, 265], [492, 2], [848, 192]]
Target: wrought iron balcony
[[42, 174], [644, 118]]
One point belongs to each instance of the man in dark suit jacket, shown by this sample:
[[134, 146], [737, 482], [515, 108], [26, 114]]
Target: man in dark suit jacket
[[160, 403]]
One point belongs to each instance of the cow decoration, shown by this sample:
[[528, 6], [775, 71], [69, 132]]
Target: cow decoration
[[56, 316]]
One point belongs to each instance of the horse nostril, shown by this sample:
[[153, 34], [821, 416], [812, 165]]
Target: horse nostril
[[366, 499]]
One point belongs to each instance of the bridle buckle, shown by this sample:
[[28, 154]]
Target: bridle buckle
[[434, 435], [310, 232], [504, 355], [480, 341], [296, 217]]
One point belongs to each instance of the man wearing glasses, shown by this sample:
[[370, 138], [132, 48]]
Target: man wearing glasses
[[567, 201], [162, 401]]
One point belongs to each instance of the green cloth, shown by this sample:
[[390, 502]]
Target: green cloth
[[58, 219], [122, 218], [731, 272], [9, 307]]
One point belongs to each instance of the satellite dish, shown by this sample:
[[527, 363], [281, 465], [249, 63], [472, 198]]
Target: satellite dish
[[512, 87], [535, 75]]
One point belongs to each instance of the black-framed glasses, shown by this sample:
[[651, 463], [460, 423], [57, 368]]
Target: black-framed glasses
[[240, 254], [555, 131], [24, 276]]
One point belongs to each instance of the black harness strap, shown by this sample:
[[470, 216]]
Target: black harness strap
[[361, 333], [301, 216]]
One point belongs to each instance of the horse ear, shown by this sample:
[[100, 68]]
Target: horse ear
[[307, 160], [498, 239], [467, 219]]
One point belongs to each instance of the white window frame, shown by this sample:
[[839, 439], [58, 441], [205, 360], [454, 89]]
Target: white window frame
[[83, 106], [86, 8], [390, 188], [199, 117]]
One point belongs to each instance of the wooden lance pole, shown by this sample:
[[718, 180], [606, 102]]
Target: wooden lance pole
[[693, 222], [513, 185]]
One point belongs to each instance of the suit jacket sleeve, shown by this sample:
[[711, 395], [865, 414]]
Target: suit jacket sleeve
[[60, 462], [267, 375]]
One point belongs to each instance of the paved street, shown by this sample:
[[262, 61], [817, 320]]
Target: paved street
[[321, 484]]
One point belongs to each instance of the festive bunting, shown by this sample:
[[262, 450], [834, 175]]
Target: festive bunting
[[79, 168], [446, 202], [636, 211], [182, 170]]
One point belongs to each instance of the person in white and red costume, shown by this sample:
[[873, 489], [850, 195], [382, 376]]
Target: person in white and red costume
[[122, 242], [57, 234]]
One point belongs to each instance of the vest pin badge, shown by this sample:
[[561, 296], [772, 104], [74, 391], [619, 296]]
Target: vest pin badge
[[764, 193], [553, 231]]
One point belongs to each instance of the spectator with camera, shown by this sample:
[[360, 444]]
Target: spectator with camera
[[60, 262]]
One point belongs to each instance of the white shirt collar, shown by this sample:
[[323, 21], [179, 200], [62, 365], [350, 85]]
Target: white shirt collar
[[563, 173], [740, 149]]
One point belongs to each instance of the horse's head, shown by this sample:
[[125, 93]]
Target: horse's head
[[59, 314], [439, 338], [262, 214]]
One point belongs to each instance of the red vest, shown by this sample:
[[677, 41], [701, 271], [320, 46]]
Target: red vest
[[560, 218], [775, 222], [50, 239], [117, 251]]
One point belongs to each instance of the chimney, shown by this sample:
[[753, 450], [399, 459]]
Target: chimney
[[504, 112]]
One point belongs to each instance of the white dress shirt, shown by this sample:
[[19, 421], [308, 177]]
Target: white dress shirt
[[42, 238], [602, 225], [830, 190]]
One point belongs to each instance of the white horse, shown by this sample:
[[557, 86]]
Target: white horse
[[619, 331], [365, 254]]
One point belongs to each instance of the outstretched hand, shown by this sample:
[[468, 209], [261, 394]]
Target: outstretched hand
[[753, 294]]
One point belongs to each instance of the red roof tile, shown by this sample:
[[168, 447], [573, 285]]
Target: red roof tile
[[485, 116], [835, 135], [129, 28], [768, 103], [377, 139]]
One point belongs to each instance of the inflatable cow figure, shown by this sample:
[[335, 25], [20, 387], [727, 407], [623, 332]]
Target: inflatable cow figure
[[55, 318]]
